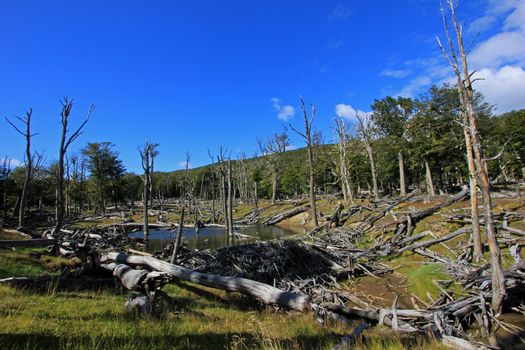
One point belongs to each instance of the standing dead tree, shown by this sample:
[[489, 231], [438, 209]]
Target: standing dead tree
[[308, 121], [230, 199], [342, 147], [272, 150], [212, 190], [28, 162], [222, 167], [148, 153], [365, 127], [65, 142], [473, 143]]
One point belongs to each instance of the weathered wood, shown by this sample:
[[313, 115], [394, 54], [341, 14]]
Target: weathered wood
[[283, 216], [436, 240], [266, 293]]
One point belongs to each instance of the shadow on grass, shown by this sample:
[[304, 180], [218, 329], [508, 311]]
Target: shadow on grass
[[168, 341], [237, 300]]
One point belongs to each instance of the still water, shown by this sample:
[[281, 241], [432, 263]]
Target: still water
[[213, 237]]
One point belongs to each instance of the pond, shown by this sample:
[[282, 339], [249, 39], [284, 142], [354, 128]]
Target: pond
[[215, 237]]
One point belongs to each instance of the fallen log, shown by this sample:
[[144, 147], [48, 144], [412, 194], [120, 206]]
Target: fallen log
[[263, 292], [436, 240], [283, 216], [415, 217]]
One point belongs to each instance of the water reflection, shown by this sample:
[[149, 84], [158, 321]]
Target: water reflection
[[214, 237]]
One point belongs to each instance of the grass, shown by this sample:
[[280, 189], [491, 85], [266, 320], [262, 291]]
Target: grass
[[30, 262], [196, 317]]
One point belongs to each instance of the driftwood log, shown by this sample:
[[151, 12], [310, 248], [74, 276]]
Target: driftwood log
[[263, 292], [283, 216]]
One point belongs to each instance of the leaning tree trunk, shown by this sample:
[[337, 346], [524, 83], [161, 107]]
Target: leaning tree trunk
[[473, 184], [430, 183], [402, 185]]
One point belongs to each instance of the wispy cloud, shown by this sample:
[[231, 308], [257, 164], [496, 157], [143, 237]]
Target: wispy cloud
[[395, 73], [283, 112], [335, 44], [341, 11]]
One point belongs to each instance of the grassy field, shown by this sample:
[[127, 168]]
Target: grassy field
[[194, 317]]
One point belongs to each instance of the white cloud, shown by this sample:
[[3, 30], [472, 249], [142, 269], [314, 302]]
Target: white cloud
[[504, 87], [283, 112], [347, 111], [395, 73], [481, 24], [414, 86], [516, 20], [502, 48]]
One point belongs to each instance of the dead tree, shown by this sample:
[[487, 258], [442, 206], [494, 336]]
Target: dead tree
[[466, 95], [213, 216], [65, 142], [176, 244], [272, 149], [28, 162], [309, 145], [187, 195], [365, 127], [230, 200], [147, 153], [223, 172], [342, 146]]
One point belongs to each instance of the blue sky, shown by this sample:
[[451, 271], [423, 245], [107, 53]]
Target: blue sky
[[196, 75]]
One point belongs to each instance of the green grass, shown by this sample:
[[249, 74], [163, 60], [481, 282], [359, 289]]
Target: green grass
[[420, 278], [29, 262]]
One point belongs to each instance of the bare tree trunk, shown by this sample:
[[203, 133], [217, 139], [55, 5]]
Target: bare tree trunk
[[29, 164], [230, 200], [145, 211], [176, 244], [255, 194], [430, 183], [274, 186], [373, 169], [311, 172], [147, 153], [65, 142], [473, 184], [402, 186], [466, 95]]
